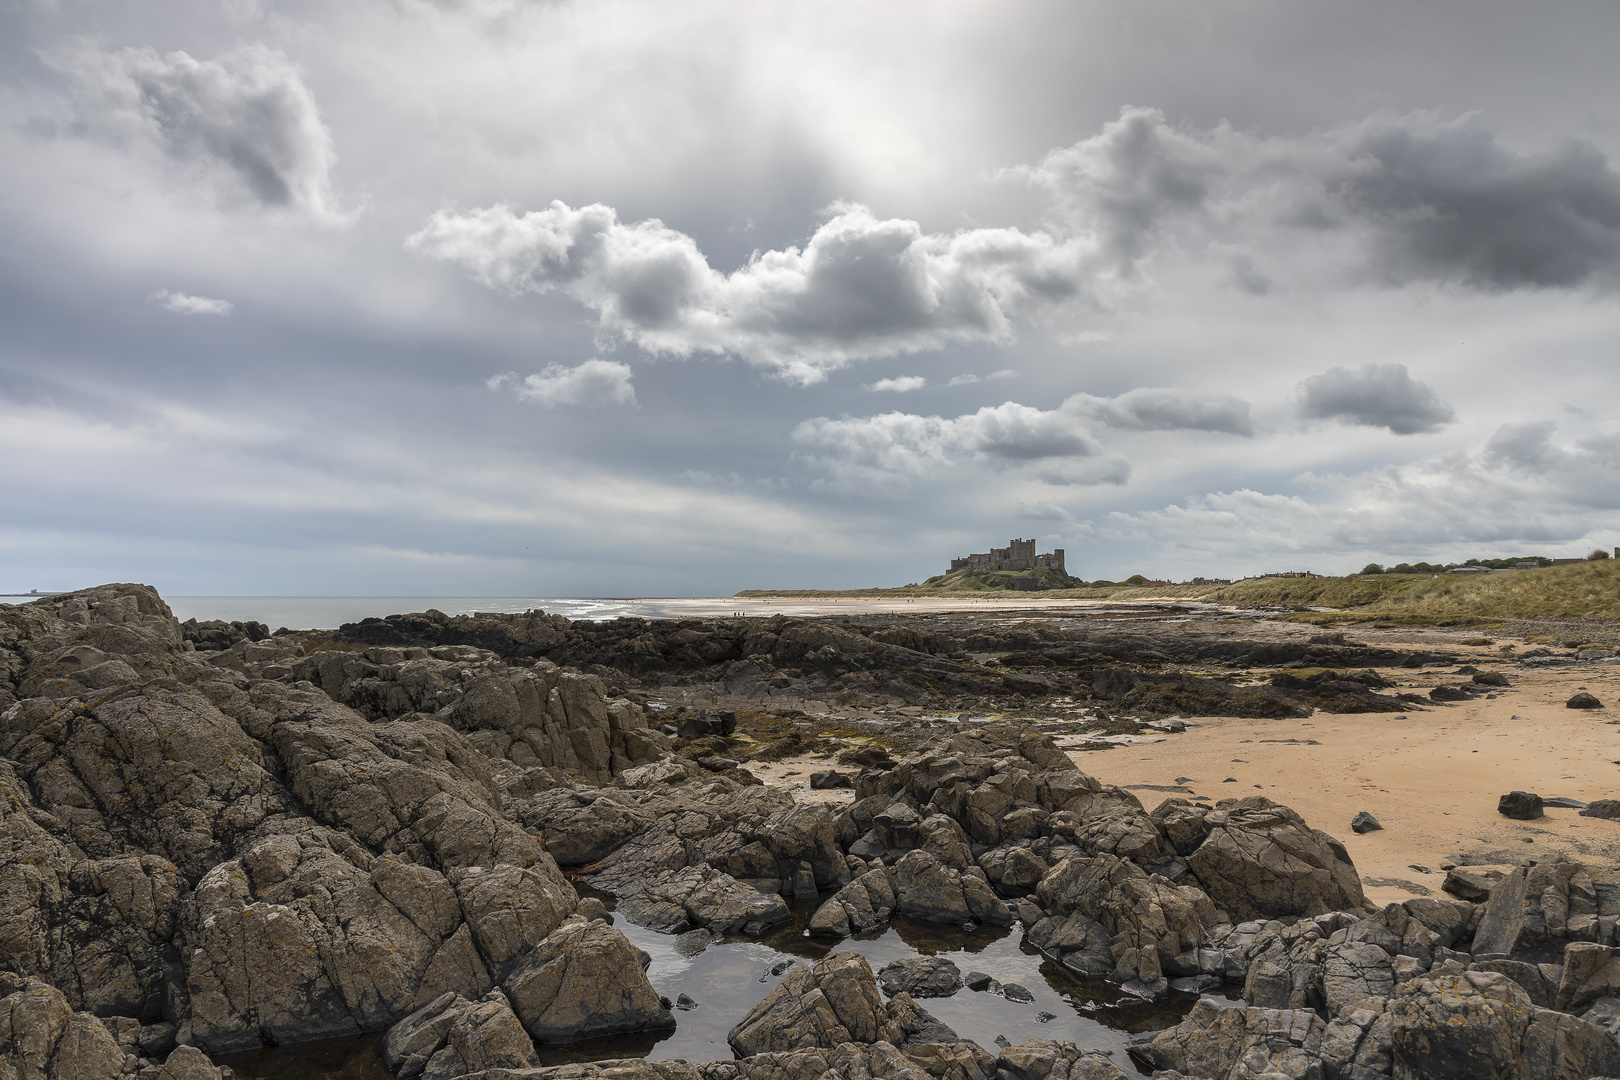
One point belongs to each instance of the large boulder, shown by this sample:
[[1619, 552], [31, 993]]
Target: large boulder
[[1480, 1025], [451, 1037], [1260, 860], [1226, 1043], [1149, 920], [1539, 908], [864, 904], [926, 888], [582, 982], [675, 901], [43, 1038], [833, 1001]]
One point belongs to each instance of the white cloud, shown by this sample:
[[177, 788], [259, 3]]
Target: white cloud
[[896, 445], [1165, 409], [969, 379], [861, 287], [592, 384], [1522, 493], [1375, 395], [901, 385], [185, 304], [246, 117]]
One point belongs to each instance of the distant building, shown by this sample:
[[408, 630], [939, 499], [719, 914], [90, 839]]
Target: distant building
[[1017, 555]]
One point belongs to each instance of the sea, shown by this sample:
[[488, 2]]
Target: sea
[[331, 612]]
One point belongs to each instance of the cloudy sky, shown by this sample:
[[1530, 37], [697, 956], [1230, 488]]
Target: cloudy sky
[[505, 297]]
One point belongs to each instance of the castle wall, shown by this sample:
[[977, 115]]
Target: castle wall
[[1017, 555]]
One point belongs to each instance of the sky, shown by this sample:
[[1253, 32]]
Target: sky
[[512, 297]]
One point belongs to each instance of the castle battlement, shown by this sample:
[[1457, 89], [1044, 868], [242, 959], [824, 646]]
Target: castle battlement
[[1017, 555]]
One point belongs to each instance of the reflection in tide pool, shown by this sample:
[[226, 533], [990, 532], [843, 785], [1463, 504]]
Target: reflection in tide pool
[[728, 977]]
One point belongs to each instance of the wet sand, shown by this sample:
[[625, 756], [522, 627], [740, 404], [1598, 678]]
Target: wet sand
[[1432, 780]]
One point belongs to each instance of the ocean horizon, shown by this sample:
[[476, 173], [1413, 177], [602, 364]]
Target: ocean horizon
[[331, 612]]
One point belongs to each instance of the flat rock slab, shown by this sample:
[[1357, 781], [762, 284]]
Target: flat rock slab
[[921, 977]]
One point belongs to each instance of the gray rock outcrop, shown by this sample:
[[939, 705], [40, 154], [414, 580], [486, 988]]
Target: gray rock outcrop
[[833, 1001], [581, 982]]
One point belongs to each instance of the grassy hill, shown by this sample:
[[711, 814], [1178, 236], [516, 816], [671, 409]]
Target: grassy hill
[[1582, 590]]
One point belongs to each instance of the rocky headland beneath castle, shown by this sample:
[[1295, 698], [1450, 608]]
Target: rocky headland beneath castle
[[514, 846]]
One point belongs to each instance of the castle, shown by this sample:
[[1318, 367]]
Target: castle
[[1018, 555]]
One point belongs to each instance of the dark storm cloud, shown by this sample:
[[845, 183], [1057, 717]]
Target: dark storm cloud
[[246, 114], [861, 286], [1448, 202], [1374, 395], [1433, 199], [1526, 447], [1150, 408]]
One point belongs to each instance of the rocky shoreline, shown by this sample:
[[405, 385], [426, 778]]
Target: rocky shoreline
[[218, 839]]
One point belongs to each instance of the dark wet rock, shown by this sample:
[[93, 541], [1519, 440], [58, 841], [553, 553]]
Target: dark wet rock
[[1490, 678], [1608, 809], [1448, 693], [1583, 700], [921, 977], [1466, 884], [1260, 860], [685, 1003], [1078, 942], [1016, 992], [864, 904], [1364, 822], [451, 1036], [582, 982], [1520, 805], [828, 779], [976, 980], [833, 1001]]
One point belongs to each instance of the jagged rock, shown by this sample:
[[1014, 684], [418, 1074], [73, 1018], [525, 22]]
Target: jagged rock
[[1356, 1042], [1260, 860], [1590, 971], [833, 1001], [864, 904], [700, 896], [1077, 941], [1217, 1042], [1522, 805], [42, 1037], [1608, 809], [827, 780], [1149, 920], [452, 1037], [1537, 909], [1468, 885], [1364, 823], [1013, 869], [921, 977], [583, 981], [579, 834], [1481, 1024], [926, 888], [953, 1060]]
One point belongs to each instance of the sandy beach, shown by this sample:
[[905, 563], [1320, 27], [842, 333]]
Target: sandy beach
[[1431, 779]]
